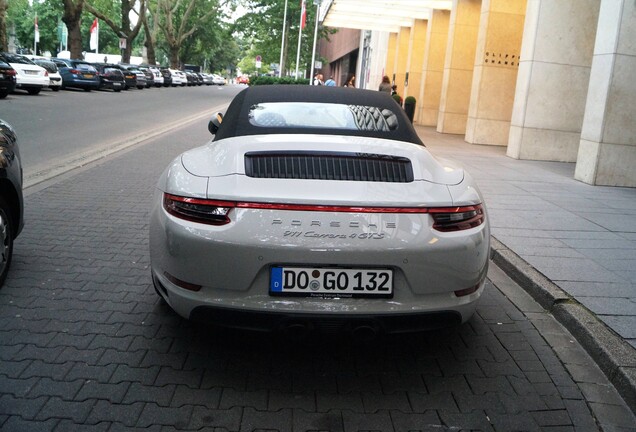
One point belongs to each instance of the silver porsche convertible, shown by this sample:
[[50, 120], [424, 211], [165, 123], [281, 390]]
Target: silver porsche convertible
[[318, 208]]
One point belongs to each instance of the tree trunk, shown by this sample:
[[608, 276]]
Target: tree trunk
[[150, 45], [72, 16], [174, 57], [4, 43]]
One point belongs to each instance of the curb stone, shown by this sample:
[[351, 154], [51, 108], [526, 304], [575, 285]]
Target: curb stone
[[613, 355]]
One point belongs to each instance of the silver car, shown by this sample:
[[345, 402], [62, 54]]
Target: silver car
[[318, 208]]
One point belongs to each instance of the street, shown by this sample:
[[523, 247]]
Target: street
[[85, 343]]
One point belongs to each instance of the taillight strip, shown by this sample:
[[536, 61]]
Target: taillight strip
[[325, 208]]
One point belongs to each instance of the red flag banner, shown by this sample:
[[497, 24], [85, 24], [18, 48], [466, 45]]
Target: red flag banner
[[37, 29], [94, 35], [303, 15]]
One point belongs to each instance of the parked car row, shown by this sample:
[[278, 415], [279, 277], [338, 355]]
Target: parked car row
[[33, 73]]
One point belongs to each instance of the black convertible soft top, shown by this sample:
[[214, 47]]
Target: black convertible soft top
[[236, 121]]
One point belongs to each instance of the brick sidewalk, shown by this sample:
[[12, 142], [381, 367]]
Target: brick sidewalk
[[86, 345]]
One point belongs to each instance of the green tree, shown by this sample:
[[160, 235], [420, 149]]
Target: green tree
[[3, 25], [263, 27], [105, 10], [184, 23], [72, 18]]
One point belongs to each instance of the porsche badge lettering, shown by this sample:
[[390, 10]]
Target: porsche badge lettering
[[372, 235]]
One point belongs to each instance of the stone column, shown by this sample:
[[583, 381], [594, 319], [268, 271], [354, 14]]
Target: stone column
[[607, 152], [458, 66], [495, 74], [416, 58], [427, 108], [554, 73], [401, 59], [391, 54]]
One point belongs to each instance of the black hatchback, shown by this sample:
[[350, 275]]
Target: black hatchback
[[7, 78], [110, 76], [11, 199]]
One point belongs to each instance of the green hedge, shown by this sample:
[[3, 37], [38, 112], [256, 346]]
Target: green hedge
[[270, 80]]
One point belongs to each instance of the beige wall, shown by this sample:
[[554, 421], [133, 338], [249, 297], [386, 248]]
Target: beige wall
[[427, 108], [402, 57], [495, 73], [458, 67], [416, 58], [607, 153], [556, 58]]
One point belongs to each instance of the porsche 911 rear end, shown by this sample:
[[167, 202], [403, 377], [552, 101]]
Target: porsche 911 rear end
[[365, 246], [317, 208]]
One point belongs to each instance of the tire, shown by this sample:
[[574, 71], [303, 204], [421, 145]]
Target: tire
[[140, 87], [3, 93], [6, 240], [55, 88], [117, 90], [87, 89], [33, 91]]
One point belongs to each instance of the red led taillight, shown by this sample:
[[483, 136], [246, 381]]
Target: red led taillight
[[457, 218], [214, 212], [204, 211], [10, 72], [74, 71]]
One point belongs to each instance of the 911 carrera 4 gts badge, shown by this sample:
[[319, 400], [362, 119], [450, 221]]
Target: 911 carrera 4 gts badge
[[314, 234]]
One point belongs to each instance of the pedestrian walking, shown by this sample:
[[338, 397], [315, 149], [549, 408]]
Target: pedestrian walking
[[385, 85]]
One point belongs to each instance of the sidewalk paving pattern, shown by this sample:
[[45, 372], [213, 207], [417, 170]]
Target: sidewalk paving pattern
[[86, 345], [571, 244]]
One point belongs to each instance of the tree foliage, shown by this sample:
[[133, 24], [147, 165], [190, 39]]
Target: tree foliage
[[174, 32], [262, 27]]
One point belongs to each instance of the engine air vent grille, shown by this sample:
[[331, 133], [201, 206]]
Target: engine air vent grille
[[329, 166]]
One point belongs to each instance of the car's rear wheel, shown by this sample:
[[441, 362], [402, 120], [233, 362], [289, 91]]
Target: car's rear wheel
[[33, 91], [117, 90], [3, 93], [6, 240], [87, 89], [140, 87], [55, 88]]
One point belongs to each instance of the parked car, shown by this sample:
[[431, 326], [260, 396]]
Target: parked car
[[243, 79], [178, 78], [157, 78], [190, 78], [140, 77], [77, 74], [110, 76], [7, 78], [11, 199], [218, 80], [318, 205], [55, 79], [167, 77], [29, 76], [130, 77], [207, 79], [150, 77]]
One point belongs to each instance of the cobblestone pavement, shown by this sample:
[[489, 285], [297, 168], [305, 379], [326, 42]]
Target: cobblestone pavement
[[86, 345]]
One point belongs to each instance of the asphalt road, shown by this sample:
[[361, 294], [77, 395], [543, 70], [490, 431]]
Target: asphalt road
[[58, 130], [85, 343]]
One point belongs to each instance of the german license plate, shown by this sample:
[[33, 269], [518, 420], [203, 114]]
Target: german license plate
[[30, 72], [331, 282], [88, 75]]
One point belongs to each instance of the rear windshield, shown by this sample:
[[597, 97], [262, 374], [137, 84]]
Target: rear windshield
[[49, 66], [15, 58], [313, 115], [85, 67]]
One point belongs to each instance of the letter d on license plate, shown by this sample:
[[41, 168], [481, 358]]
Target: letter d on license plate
[[331, 282]]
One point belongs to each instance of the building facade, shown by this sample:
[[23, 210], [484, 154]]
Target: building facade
[[549, 79]]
